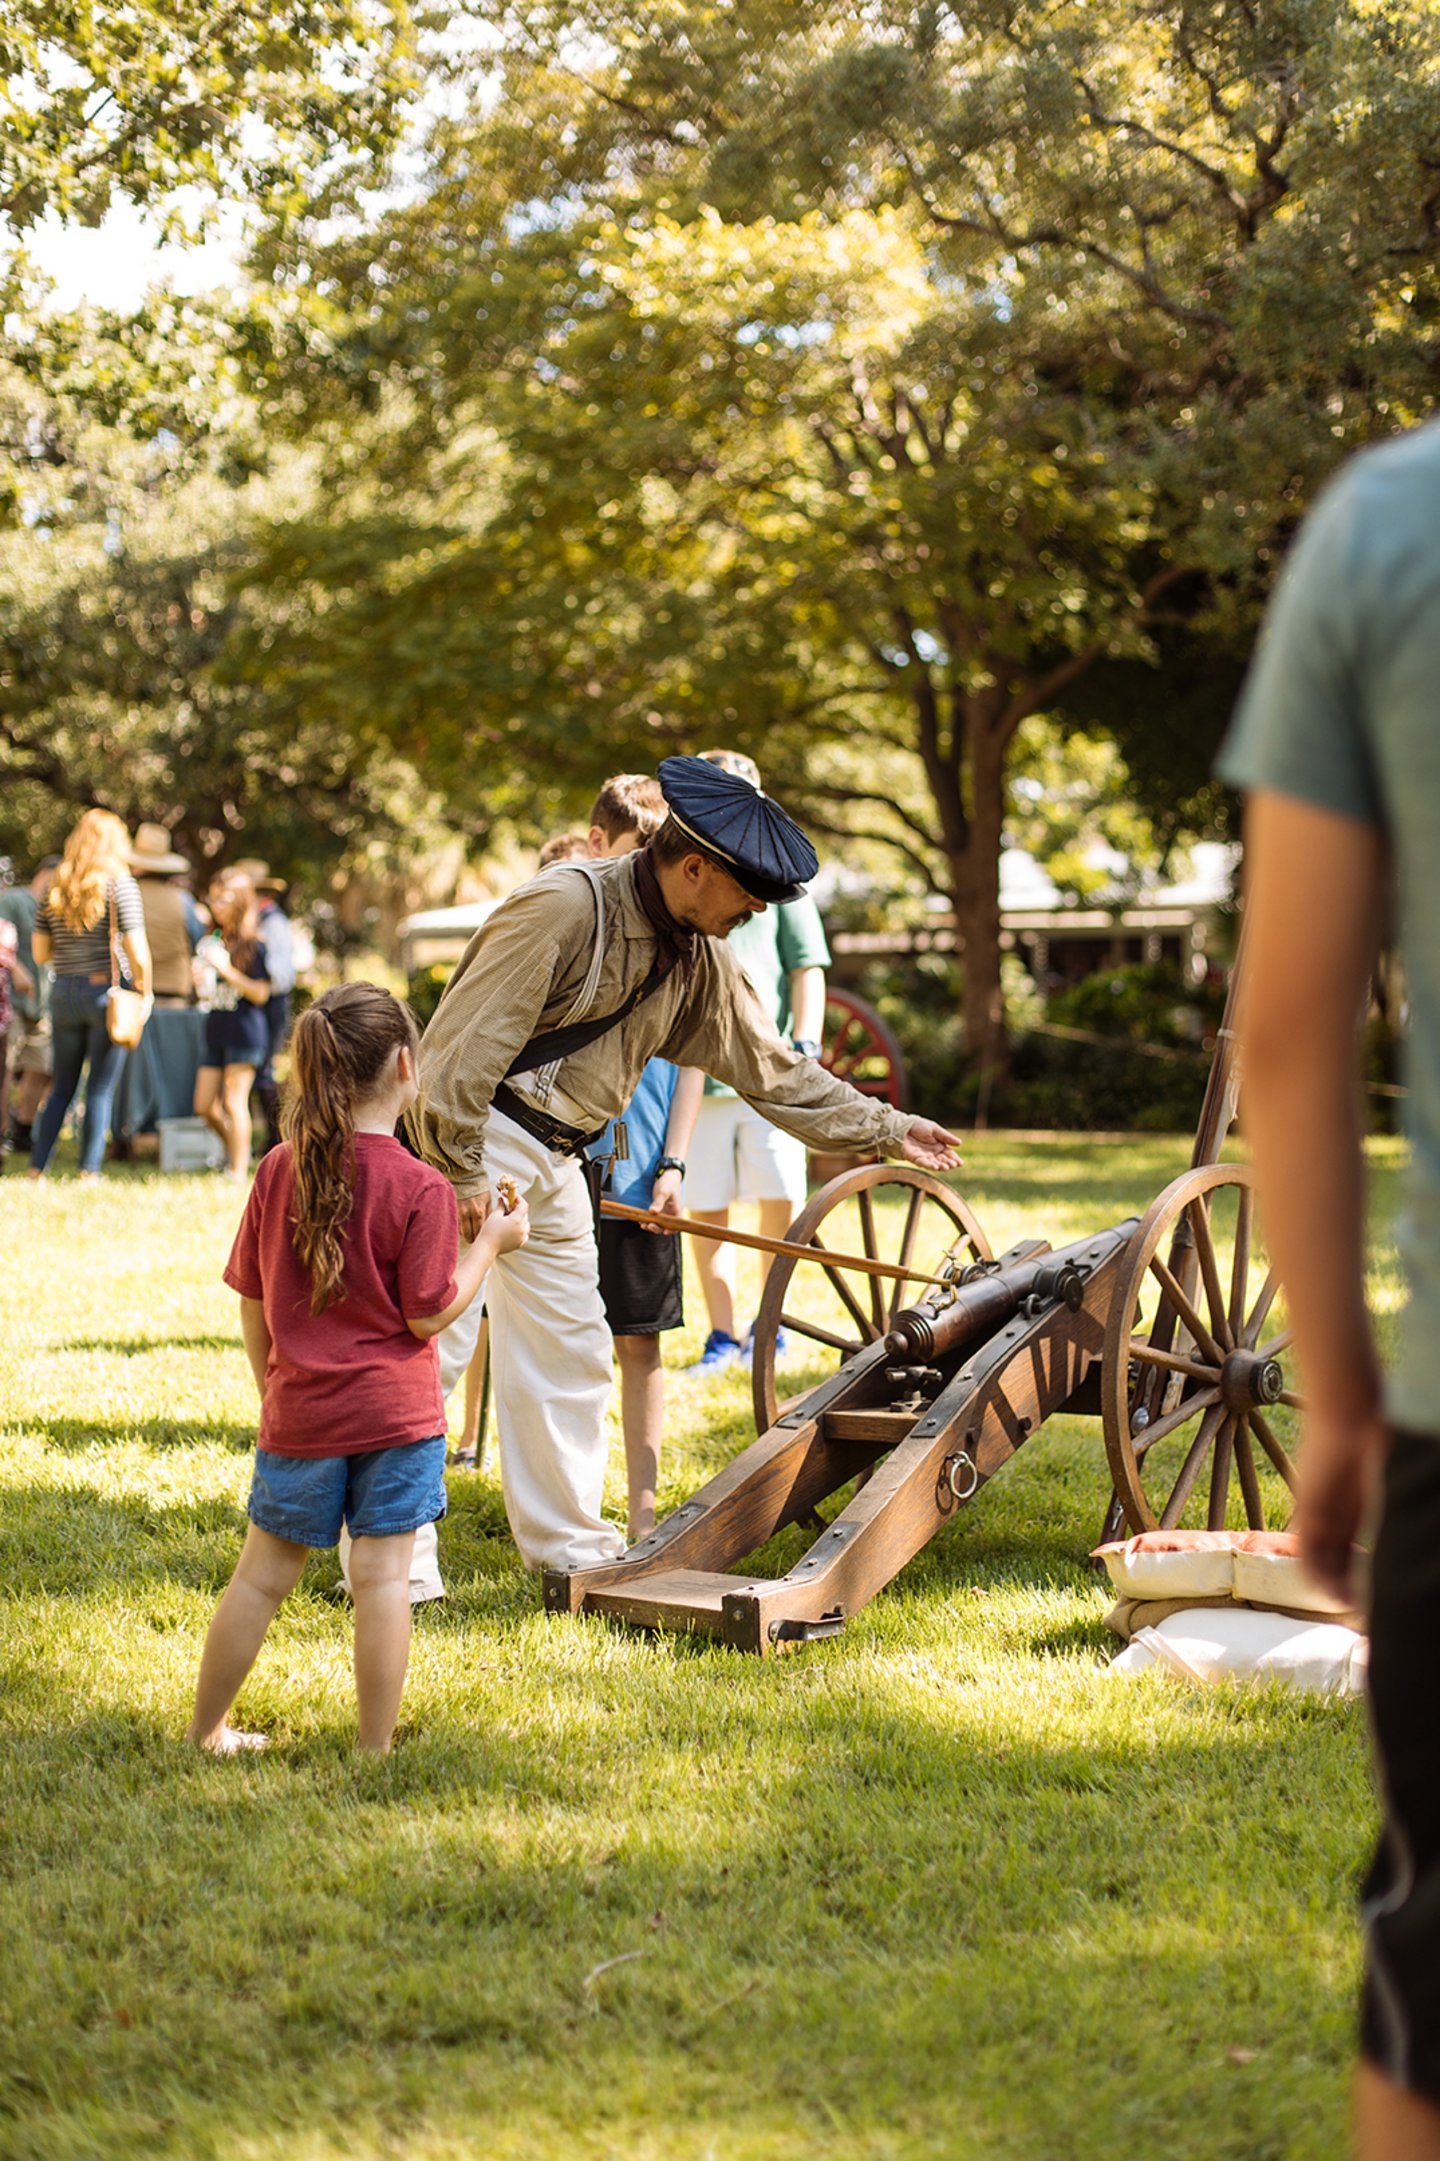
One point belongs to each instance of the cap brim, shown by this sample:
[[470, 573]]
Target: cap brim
[[770, 890]]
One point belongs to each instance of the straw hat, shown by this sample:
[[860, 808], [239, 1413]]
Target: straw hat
[[251, 867], [151, 852]]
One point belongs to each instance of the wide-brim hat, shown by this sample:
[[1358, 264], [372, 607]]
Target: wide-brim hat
[[151, 851], [258, 872], [740, 828]]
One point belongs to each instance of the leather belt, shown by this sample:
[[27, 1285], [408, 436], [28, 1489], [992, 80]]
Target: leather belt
[[550, 1132]]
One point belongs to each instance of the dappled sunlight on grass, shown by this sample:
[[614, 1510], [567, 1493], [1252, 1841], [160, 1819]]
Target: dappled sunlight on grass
[[940, 1885]]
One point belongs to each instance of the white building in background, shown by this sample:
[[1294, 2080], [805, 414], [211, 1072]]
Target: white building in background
[[1062, 939]]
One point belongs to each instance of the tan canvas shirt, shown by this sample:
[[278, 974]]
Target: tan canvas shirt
[[519, 977], [168, 937]]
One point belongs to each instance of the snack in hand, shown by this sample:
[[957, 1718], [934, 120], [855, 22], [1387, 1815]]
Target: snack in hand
[[506, 1191]]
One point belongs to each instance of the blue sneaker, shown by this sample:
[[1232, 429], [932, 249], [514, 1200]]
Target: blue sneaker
[[720, 1351], [747, 1348]]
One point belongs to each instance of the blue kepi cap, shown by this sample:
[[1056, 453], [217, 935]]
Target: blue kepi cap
[[739, 828]]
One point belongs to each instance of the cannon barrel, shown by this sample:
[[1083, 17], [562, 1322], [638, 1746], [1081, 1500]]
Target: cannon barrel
[[951, 1320]]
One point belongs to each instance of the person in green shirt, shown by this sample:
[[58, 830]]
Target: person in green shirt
[[1337, 744], [736, 1155]]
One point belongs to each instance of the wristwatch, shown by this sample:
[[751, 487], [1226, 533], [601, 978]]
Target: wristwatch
[[806, 1045], [670, 1163]]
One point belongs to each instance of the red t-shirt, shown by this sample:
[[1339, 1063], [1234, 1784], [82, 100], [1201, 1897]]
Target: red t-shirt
[[353, 1377]]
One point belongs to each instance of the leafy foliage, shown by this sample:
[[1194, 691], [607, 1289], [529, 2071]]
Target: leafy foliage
[[862, 382], [255, 98]]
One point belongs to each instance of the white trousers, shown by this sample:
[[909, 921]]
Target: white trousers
[[551, 1369]]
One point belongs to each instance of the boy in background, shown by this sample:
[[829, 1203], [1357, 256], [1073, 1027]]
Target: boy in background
[[739, 1155]]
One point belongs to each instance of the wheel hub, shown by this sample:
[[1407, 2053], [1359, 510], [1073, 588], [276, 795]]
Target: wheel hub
[[1248, 1380]]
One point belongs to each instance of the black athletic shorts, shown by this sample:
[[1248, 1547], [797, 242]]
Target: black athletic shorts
[[1400, 2015], [640, 1276]]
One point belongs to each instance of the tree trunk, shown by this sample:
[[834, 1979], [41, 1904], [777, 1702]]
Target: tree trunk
[[975, 882]]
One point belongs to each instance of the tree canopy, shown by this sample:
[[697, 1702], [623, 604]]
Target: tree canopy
[[860, 382], [259, 99], [858, 385]]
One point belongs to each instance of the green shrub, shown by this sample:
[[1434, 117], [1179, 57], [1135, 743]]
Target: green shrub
[[1056, 1081], [424, 988]]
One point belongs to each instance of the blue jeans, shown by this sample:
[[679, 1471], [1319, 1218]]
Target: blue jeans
[[80, 1037]]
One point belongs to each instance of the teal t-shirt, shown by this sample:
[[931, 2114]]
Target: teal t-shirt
[[768, 947], [1342, 711]]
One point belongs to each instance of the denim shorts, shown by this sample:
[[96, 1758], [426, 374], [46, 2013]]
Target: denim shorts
[[376, 1495]]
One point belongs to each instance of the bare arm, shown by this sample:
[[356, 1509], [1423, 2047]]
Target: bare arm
[[666, 1192], [42, 945], [807, 1004], [136, 948], [501, 1232], [257, 1339], [1315, 886], [254, 988]]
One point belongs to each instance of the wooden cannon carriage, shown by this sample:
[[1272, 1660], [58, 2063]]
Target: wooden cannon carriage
[[1166, 1326]]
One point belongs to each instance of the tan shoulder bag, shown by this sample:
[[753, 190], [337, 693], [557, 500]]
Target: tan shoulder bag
[[124, 1009]]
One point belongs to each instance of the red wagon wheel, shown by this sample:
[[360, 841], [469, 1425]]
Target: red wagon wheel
[[860, 1048], [883, 1212], [1196, 1394]]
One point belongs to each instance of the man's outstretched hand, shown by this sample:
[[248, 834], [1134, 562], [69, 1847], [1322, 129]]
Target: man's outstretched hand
[[931, 1147]]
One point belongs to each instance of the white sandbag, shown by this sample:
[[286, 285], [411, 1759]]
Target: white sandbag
[[1186, 1565], [1279, 1579], [1219, 1643]]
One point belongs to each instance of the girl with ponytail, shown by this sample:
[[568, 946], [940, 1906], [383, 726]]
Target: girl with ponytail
[[347, 1269]]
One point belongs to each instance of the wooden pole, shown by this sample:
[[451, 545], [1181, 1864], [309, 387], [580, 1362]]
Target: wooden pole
[[824, 1254]]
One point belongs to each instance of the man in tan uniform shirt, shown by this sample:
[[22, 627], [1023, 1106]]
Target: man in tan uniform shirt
[[582, 941]]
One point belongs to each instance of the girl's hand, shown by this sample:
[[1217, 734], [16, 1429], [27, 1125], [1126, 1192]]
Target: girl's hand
[[507, 1228]]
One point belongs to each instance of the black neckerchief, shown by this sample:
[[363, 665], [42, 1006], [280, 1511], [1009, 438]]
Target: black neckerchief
[[674, 941]]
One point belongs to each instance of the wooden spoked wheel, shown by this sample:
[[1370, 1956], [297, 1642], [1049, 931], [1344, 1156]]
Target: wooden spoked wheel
[[880, 1211], [1198, 1403], [859, 1047]]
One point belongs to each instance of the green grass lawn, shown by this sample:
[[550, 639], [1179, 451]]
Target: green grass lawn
[[937, 1887]]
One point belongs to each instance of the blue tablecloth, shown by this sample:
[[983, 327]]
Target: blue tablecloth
[[159, 1077]]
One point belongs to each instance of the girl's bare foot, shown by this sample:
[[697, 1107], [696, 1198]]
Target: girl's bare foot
[[229, 1741], [88, 1178]]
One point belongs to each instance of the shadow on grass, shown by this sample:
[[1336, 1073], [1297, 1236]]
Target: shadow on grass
[[71, 1539], [71, 1435], [143, 1346], [1074, 1638], [678, 1928]]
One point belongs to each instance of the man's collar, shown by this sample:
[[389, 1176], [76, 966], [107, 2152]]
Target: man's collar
[[675, 941]]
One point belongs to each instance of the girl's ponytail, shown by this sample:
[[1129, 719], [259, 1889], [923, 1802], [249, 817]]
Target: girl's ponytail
[[340, 1047]]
